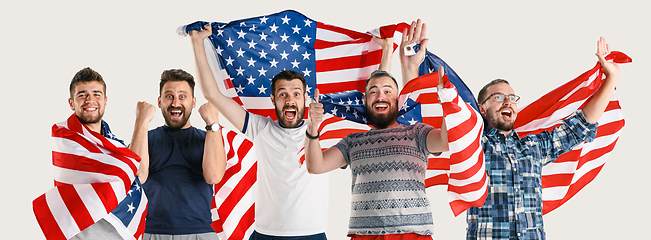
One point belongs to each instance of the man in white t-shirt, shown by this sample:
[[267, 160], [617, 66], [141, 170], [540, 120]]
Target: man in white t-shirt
[[289, 201]]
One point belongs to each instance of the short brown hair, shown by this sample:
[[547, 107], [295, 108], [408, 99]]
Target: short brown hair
[[287, 75], [176, 75], [482, 92], [83, 76], [379, 74]]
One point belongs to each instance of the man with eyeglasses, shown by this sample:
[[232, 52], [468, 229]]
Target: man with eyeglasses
[[513, 207]]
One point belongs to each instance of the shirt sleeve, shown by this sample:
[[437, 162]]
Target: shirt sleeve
[[253, 123], [572, 132], [344, 146], [424, 130]]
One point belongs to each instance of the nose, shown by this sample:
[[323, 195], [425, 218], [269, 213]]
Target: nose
[[176, 102], [507, 102]]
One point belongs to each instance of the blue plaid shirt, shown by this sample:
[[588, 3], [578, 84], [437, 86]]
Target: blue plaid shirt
[[513, 207]]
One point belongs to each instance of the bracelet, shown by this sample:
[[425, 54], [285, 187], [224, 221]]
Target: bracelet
[[312, 137]]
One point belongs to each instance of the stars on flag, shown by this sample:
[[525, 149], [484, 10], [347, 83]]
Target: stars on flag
[[254, 50]]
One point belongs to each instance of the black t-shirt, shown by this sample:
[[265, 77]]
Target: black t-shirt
[[179, 197]]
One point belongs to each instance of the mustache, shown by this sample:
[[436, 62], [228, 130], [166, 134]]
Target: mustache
[[376, 102], [290, 107], [512, 110], [170, 108]]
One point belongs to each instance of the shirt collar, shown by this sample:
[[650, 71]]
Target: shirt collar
[[490, 131]]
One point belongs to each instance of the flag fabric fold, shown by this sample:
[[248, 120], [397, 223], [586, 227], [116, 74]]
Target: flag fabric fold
[[95, 178], [462, 168], [572, 171], [233, 206]]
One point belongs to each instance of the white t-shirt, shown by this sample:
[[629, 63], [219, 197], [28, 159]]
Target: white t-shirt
[[289, 201]]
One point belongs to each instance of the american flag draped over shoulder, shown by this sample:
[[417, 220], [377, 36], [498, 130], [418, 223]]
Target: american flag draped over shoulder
[[233, 208], [563, 178], [95, 178]]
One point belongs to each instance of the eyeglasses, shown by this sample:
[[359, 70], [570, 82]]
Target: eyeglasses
[[499, 97]]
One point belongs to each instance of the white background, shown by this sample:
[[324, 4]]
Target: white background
[[536, 46]]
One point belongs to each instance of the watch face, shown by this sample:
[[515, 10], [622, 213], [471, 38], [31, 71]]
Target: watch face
[[214, 127]]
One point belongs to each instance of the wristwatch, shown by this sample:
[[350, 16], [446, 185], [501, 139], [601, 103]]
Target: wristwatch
[[214, 127]]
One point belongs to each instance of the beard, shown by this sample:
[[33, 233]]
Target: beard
[[87, 119], [300, 114], [382, 121], [176, 124], [494, 121]]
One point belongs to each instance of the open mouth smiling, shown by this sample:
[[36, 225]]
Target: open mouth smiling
[[506, 113], [177, 113], [290, 114], [381, 107]]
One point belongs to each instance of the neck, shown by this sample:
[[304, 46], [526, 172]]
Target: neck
[[394, 124], [187, 125], [95, 127]]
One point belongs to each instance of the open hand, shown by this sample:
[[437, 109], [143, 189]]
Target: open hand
[[610, 68]]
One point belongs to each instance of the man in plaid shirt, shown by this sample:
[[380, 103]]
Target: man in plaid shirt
[[513, 207]]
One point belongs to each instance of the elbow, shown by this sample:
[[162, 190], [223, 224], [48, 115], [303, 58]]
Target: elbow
[[142, 178], [313, 170], [142, 174], [214, 179]]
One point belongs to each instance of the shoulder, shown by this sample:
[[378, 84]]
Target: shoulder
[[197, 131], [420, 127], [155, 132]]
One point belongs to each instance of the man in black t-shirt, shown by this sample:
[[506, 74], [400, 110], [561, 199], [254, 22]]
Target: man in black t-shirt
[[179, 162]]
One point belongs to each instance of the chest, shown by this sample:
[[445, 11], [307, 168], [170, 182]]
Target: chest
[[512, 160], [176, 150]]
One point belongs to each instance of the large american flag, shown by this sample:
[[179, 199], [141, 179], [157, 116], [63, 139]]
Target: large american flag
[[246, 54], [563, 178], [95, 178]]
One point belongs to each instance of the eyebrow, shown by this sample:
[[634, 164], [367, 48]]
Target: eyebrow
[[170, 91], [94, 91], [386, 85], [296, 88]]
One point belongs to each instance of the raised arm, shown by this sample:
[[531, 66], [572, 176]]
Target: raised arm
[[595, 108], [387, 52], [318, 161], [214, 157], [139, 139], [417, 33], [229, 108], [437, 139]]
